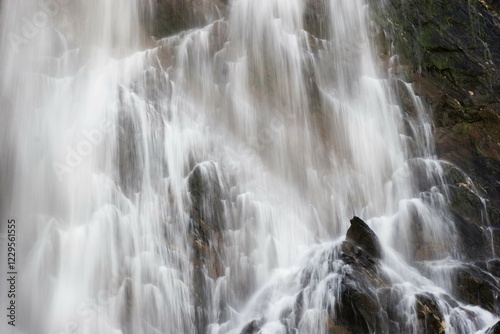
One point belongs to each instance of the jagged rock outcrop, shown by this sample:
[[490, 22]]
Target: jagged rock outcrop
[[345, 289], [359, 309], [364, 298], [361, 235]]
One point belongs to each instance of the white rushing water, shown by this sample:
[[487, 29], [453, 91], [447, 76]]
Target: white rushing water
[[167, 186]]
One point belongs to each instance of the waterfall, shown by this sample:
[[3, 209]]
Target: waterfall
[[187, 184]]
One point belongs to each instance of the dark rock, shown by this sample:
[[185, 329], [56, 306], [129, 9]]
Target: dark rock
[[430, 318], [449, 49], [361, 235], [360, 310], [473, 242], [448, 40], [477, 222], [495, 236], [207, 213], [466, 203], [452, 49], [130, 160], [493, 267], [389, 299], [460, 315], [357, 256], [474, 147], [253, 327], [495, 329], [356, 307], [365, 300], [316, 18], [420, 247], [474, 286], [298, 307], [173, 16], [334, 328], [206, 197]]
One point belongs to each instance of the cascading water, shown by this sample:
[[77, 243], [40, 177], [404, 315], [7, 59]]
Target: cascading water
[[187, 185]]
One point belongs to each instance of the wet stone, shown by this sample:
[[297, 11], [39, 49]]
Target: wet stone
[[430, 318], [361, 235]]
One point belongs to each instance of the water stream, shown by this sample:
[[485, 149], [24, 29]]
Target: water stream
[[184, 185]]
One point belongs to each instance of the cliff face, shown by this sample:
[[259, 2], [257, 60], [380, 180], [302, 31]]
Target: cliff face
[[450, 50]]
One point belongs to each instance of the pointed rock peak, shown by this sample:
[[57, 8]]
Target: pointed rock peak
[[361, 235]]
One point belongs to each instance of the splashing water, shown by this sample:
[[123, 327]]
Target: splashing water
[[185, 185]]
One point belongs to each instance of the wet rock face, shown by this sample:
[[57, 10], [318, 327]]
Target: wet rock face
[[477, 223], [455, 43], [170, 17], [173, 16], [316, 18], [451, 52], [477, 287], [207, 223], [474, 245], [252, 327], [360, 311], [429, 316]]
